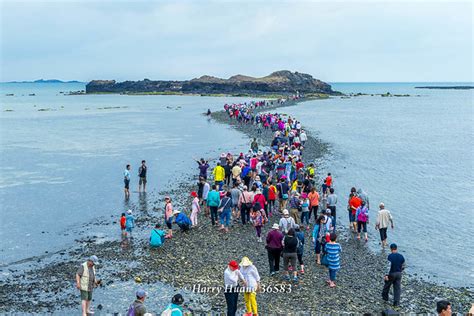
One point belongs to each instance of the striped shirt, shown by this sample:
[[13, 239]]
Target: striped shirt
[[333, 251]]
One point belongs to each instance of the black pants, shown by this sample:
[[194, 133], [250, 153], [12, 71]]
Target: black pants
[[213, 214], [383, 233], [394, 278], [274, 259], [184, 227], [231, 299], [314, 209], [333, 214], [244, 214]]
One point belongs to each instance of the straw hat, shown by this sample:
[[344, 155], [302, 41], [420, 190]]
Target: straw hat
[[245, 262], [275, 226], [176, 212]]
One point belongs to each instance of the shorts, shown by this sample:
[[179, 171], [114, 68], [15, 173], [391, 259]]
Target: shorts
[[169, 224], [289, 258], [86, 295], [142, 181], [361, 226], [127, 183], [129, 229], [352, 217]]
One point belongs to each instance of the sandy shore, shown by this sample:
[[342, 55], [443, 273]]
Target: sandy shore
[[199, 257]]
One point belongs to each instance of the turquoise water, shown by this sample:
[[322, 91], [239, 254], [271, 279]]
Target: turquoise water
[[414, 154], [62, 168]]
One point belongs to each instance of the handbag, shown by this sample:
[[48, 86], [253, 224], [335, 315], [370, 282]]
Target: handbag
[[248, 205], [324, 260], [222, 208]]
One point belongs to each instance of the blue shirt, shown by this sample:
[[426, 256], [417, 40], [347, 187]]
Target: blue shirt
[[157, 238], [181, 218], [126, 174], [333, 251], [396, 261], [129, 221]]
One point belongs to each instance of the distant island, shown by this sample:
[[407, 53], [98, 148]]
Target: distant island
[[447, 87], [46, 81], [282, 82]]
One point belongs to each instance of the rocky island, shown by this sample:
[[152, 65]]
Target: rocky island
[[282, 82]]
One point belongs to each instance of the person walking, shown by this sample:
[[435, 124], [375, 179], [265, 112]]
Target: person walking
[[142, 177], [353, 203], [258, 219], [137, 308], [129, 223], [286, 222], [274, 247], [232, 277], [225, 209], [362, 216], [319, 237], [175, 308], [331, 204], [126, 180], [300, 249], [294, 204], [219, 175], [235, 195], [245, 204], [384, 217], [86, 281], [313, 203], [290, 246], [213, 201], [394, 275], [333, 249], [252, 278], [205, 192]]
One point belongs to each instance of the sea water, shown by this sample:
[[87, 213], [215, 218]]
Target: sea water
[[63, 156], [415, 154]]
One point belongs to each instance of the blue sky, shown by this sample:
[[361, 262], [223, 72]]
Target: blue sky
[[331, 40]]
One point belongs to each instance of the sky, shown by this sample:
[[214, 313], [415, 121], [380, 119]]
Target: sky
[[335, 41]]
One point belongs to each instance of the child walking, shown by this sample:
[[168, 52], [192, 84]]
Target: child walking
[[129, 223], [333, 249], [122, 224], [259, 219]]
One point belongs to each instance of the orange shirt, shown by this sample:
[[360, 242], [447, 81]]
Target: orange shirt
[[328, 181], [313, 198], [354, 203]]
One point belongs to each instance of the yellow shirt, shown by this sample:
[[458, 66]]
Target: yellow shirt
[[219, 173]]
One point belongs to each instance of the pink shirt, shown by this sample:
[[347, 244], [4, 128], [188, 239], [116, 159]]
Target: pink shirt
[[168, 210]]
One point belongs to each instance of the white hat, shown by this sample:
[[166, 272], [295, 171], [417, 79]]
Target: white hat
[[129, 212], [285, 212], [275, 226], [176, 212]]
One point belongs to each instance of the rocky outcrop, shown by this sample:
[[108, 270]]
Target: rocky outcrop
[[279, 82]]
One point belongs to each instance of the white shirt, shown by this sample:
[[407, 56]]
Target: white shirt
[[231, 278], [384, 218], [251, 276]]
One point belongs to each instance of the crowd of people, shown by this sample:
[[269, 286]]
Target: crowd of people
[[268, 185]]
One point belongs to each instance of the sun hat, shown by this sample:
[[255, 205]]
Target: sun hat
[[129, 212], [140, 293], [94, 259], [176, 212], [177, 299], [285, 212], [245, 262], [194, 194], [233, 264], [276, 226]]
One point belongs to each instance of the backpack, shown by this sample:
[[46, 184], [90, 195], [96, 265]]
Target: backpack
[[131, 310], [362, 217], [169, 311]]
